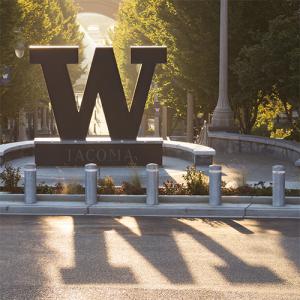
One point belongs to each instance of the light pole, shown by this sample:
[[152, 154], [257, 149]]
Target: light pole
[[4, 81], [20, 51], [19, 46], [222, 119]]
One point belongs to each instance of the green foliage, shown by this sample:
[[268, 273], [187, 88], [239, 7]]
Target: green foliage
[[268, 111], [72, 188], [43, 22], [175, 24], [259, 189], [171, 187], [130, 188], [10, 177], [106, 185], [60, 188], [43, 188], [134, 186], [196, 182], [263, 52], [271, 62]]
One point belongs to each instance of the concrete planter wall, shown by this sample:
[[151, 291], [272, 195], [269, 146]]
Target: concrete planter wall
[[241, 143], [135, 205], [15, 150], [196, 154], [187, 199]]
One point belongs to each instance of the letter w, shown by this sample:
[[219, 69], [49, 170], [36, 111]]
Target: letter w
[[104, 79]]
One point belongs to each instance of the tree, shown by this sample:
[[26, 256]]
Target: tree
[[190, 30], [174, 24], [273, 62], [43, 22]]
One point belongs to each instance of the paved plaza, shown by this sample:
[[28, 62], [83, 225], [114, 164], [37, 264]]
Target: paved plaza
[[237, 169], [148, 258]]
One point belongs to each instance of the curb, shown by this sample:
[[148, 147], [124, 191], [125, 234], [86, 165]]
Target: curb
[[201, 210]]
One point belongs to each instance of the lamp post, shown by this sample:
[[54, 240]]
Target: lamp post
[[222, 119], [20, 45], [4, 81], [20, 51]]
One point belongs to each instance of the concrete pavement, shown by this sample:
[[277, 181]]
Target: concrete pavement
[[237, 169], [148, 258]]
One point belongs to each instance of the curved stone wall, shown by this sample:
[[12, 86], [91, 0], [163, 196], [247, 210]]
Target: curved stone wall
[[241, 143], [196, 154], [15, 150]]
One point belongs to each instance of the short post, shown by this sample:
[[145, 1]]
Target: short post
[[278, 188], [152, 184], [91, 183], [215, 176], [30, 183]]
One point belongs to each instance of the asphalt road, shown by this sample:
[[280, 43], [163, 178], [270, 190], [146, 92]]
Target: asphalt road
[[148, 258]]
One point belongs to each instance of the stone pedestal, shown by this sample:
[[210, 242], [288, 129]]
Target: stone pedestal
[[101, 151]]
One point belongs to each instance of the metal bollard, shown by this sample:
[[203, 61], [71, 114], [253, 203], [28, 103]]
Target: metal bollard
[[278, 188], [30, 183], [215, 175], [152, 184], [91, 183]]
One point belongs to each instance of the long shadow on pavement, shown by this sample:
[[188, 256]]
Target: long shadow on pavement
[[290, 237], [157, 245], [22, 250]]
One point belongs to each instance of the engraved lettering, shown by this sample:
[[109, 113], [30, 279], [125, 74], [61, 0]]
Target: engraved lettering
[[90, 156], [115, 155], [79, 156], [101, 155]]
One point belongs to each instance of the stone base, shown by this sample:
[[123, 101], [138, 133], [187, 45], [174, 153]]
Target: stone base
[[101, 151], [222, 119]]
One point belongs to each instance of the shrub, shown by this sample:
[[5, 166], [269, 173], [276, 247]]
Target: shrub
[[70, 188], [134, 187], [59, 188], [130, 189], [196, 182], [10, 177], [171, 187], [44, 188], [106, 185]]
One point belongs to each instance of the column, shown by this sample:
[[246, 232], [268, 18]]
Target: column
[[164, 123], [222, 118], [190, 117], [22, 135], [44, 118]]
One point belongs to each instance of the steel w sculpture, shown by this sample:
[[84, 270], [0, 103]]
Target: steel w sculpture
[[104, 79]]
